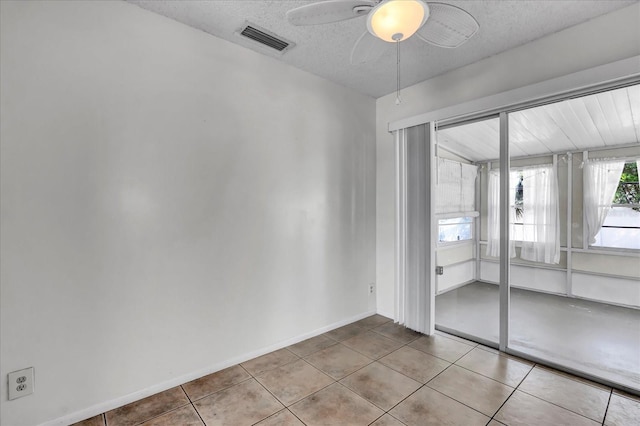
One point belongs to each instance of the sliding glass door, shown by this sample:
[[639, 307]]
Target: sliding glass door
[[538, 233], [575, 218], [467, 297]]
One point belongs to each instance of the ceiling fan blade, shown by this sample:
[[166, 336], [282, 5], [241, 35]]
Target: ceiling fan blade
[[329, 11], [448, 26], [368, 48]]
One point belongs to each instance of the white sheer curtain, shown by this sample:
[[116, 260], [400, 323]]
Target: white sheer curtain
[[493, 217], [448, 187], [541, 225], [456, 188], [468, 174], [601, 178]]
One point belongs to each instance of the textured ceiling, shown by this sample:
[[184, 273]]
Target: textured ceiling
[[600, 120], [325, 50]]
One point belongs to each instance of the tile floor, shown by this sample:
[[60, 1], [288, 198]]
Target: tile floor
[[374, 372]]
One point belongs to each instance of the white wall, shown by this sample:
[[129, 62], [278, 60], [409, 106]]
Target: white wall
[[459, 265], [171, 203], [596, 42]]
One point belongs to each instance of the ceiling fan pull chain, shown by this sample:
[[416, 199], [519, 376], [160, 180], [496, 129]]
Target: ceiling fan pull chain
[[398, 98]]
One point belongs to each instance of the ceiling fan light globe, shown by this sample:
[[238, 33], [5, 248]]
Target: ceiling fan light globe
[[395, 20]]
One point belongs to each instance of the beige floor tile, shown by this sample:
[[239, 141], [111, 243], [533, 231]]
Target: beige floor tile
[[147, 408], [215, 382], [381, 385], [571, 394], [372, 321], [387, 420], [185, 416], [294, 381], [309, 346], [338, 361], [93, 421], [442, 347], [427, 407], [526, 410], [472, 389], [269, 361], [495, 423], [346, 332], [397, 332], [416, 364], [282, 418], [336, 405], [372, 345], [501, 368], [622, 411], [243, 404]]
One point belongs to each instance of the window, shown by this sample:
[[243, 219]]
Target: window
[[516, 182], [621, 226], [455, 229], [534, 215], [455, 200]]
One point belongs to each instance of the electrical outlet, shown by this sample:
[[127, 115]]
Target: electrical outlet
[[20, 383], [372, 288]]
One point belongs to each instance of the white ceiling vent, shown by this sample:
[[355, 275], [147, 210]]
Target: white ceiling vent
[[265, 37]]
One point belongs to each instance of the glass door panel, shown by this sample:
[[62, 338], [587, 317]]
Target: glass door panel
[[575, 290], [467, 296]]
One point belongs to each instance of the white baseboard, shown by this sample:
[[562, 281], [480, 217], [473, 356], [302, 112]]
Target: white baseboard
[[102, 407], [456, 286]]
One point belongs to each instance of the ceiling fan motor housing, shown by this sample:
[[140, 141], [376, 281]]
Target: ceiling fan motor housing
[[396, 20]]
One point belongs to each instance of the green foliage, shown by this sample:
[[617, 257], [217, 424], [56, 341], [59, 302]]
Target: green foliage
[[519, 199], [628, 191]]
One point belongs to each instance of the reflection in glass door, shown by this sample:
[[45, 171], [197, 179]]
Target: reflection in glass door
[[467, 296]]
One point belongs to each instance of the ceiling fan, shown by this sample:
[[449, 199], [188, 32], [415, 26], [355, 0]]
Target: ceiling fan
[[440, 24]]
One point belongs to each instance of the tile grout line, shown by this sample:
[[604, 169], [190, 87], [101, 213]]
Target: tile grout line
[[198, 414], [511, 394], [156, 416], [219, 390], [490, 378], [270, 369], [606, 410], [353, 372], [295, 415], [162, 414], [459, 402]]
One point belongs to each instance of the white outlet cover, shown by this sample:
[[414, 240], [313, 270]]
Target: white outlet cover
[[20, 383]]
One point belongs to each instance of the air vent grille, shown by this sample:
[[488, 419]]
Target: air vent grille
[[261, 36]]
